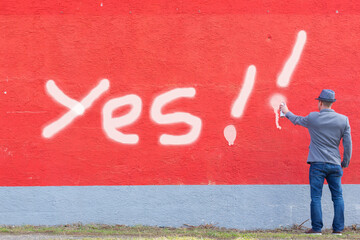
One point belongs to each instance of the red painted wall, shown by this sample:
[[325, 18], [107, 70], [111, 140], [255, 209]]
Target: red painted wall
[[148, 49]]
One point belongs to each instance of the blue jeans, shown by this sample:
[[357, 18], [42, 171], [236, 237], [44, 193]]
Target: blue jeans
[[332, 173]]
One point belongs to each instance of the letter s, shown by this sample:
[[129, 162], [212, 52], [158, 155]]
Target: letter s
[[177, 117]]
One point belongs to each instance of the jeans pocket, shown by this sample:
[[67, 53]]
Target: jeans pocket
[[338, 171], [316, 169]]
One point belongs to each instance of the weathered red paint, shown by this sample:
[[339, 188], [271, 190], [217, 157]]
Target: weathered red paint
[[147, 49]]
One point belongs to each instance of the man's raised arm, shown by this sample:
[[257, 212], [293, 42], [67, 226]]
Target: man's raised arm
[[296, 120]]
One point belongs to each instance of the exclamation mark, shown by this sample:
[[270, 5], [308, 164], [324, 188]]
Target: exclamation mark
[[239, 105], [285, 75]]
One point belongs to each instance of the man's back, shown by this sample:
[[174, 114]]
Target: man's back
[[326, 129]]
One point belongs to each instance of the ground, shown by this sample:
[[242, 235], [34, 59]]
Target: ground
[[97, 231]]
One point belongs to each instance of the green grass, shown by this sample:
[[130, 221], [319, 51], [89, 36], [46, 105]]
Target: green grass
[[186, 232]]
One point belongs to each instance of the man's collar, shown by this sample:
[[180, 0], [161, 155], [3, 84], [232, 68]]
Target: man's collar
[[327, 110]]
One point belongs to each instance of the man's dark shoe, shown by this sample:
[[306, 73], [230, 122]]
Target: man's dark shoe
[[312, 232], [337, 233]]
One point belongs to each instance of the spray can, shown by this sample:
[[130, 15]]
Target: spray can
[[281, 112]]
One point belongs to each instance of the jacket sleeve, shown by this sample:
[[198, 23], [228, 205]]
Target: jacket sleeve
[[347, 143], [298, 120]]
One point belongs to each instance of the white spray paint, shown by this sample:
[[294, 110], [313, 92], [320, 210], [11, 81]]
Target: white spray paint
[[275, 102], [76, 108], [6, 151], [240, 103], [230, 134], [285, 75], [289, 67], [178, 117], [62, 98], [110, 124]]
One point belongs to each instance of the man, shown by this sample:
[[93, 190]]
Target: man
[[326, 129]]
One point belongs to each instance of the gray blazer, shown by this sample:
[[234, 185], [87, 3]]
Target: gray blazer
[[326, 129]]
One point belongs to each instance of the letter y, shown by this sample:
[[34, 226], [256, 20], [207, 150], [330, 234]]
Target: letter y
[[76, 108]]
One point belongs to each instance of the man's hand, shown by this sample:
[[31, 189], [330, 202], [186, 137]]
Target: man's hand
[[284, 108], [343, 165]]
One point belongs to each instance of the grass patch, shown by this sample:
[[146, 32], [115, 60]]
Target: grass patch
[[186, 232]]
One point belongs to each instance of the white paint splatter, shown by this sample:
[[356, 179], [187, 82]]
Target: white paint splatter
[[6, 150], [177, 117], [110, 124], [230, 134], [289, 67], [76, 108], [275, 102], [240, 103]]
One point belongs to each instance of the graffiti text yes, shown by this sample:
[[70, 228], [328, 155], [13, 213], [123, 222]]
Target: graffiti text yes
[[112, 124]]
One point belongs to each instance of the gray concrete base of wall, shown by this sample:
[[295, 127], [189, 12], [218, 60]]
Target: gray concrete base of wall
[[245, 207]]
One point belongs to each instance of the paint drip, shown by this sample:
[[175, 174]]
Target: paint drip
[[275, 102], [230, 134]]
